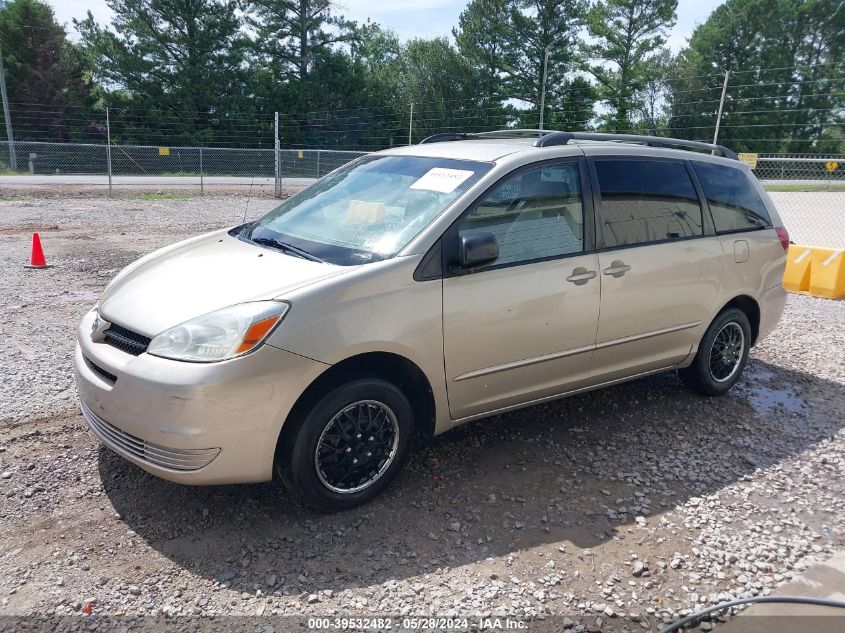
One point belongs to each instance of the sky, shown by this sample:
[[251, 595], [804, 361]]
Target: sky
[[414, 18]]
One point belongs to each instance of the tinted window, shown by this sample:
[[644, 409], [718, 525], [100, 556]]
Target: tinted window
[[646, 201], [733, 201], [534, 214]]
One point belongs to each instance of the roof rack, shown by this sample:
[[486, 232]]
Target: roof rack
[[549, 138], [562, 138], [494, 134]]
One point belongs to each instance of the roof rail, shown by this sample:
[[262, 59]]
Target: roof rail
[[493, 134], [562, 138], [448, 136], [517, 132]]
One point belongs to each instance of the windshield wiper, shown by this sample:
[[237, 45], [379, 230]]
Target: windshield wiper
[[286, 248]]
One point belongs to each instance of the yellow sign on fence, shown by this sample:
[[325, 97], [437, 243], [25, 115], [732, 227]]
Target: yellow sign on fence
[[831, 166], [749, 159], [164, 151]]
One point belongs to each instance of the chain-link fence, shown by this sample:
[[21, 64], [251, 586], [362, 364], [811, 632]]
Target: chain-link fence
[[809, 190], [92, 164], [809, 193], [794, 169]]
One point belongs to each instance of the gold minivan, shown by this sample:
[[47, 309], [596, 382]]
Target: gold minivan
[[421, 287]]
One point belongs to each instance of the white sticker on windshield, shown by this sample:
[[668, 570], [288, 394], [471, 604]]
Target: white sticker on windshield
[[442, 179]]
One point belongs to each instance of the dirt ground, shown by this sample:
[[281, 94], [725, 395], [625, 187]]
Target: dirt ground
[[615, 510]]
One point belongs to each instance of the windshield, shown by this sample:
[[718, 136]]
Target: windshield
[[367, 210]]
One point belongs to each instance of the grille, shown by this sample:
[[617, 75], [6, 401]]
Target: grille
[[99, 370], [126, 340], [147, 452]]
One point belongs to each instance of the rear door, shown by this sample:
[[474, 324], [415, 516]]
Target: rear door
[[660, 265], [755, 256], [523, 327]]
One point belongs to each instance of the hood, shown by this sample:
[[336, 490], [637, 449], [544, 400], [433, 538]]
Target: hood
[[200, 275]]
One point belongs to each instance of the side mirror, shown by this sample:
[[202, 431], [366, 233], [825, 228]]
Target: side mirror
[[476, 250]]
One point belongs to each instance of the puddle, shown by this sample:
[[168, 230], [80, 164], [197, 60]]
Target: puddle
[[755, 373], [765, 399]]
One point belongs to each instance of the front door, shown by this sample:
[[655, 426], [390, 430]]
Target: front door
[[523, 327], [660, 273]]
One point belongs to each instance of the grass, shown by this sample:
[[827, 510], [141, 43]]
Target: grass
[[166, 196], [833, 186]]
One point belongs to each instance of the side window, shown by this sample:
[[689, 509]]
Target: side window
[[733, 201], [534, 214], [646, 201]]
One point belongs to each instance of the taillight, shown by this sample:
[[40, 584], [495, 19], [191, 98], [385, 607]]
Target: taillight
[[783, 236]]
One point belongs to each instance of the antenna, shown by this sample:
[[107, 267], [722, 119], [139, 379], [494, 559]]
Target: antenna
[[248, 196]]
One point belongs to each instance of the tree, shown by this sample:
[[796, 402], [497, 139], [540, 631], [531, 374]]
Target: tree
[[483, 27], [626, 34], [787, 75], [446, 90], [507, 41], [178, 64], [537, 26], [652, 113], [290, 33], [47, 78]]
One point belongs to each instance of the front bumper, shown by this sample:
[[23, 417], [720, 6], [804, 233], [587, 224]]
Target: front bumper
[[193, 423]]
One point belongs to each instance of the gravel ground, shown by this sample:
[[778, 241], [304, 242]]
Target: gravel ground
[[614, 510]]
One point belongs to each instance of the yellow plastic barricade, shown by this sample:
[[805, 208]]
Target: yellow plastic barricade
[[816, 271]]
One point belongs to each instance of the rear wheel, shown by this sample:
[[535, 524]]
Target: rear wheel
[[350, 446], [722, 354]]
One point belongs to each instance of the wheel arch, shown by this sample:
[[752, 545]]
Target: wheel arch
[[749, 306], [390, 367]]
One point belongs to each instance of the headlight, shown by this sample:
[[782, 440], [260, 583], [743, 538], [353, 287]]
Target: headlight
[[219, 335]]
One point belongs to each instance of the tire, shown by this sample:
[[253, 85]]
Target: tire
[[712, 373], [371, 418]]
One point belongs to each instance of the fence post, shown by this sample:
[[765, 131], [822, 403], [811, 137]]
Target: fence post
[[411, 125], [318, 163], [278, 177], [108, 148], [201, 182]]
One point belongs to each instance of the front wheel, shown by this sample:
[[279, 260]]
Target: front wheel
[[722, 354], [350, 446]]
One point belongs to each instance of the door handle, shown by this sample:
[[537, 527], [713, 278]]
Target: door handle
[[617, 268], [581, 275]]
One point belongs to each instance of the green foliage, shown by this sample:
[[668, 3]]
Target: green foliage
[[626, 35], [448, 92], [482, 32], [787, 76], [291, 34], [173, 67], [507, 41], [44, 72], [214, 72]]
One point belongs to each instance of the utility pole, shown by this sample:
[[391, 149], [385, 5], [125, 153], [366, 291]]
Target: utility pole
[[13, 159], [721, 107], [411, 125], [543, 92]]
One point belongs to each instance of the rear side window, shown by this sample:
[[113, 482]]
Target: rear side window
[[733, 200], [645, 201]]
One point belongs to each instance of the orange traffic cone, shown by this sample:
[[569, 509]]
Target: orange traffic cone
[[37, 260]]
